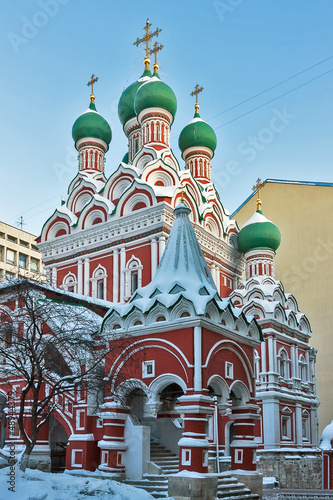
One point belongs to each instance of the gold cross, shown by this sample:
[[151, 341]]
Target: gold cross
[[91, 82], [146, 39], [257, 188], [196, 92], [154, 51]]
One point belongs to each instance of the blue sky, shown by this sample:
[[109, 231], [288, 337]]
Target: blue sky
[[235, 49]]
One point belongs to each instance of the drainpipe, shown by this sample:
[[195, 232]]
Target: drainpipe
[[216, 430], [315, 383]]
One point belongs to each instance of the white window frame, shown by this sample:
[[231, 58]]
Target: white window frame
[[186, 456], [105, 457], [286, 416], [306, 425], [145, 365], [239, 456], [133, 265], [99, 275], [120, 458], [78, 426], [229, 370], [74, 464], [70, 281]]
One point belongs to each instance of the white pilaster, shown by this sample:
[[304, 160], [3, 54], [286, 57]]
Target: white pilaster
[[153, 252], [161, 246], [86, 276], [122, 273], [298, 423], [197, 359], [79, 276], [115, 296]]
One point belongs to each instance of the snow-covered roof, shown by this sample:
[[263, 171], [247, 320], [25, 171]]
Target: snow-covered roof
[[268, 298], [182, 276], [182, 272]]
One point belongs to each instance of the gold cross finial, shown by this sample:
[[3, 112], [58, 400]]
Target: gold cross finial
[[257, 188], [93, 80], [196, 92], [146, 39], [154, 51]]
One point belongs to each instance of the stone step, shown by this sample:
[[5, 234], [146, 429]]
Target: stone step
[[162, 454], [158, 488], [165, 461], [231, 487], [144, 483], [240, 497]]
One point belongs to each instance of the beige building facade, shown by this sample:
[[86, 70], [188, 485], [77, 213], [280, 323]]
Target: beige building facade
[[19, 255], [304, 263]]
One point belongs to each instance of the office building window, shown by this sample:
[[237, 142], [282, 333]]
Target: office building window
[[10, 256], [23, 261]]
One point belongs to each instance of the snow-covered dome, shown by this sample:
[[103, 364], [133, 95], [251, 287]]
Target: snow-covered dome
[[326, 437]]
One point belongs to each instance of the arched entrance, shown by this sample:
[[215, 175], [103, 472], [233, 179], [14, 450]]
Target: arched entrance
[[168, 426], [168, 399], [58, 441], [136, 401]]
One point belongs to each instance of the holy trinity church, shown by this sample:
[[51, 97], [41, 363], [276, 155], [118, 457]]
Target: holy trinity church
[[218, 369]]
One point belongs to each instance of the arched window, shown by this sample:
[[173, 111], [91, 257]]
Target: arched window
[[70, 283], [98, 281], [283, 364], [132, 276], [257, 365], [302, 369]]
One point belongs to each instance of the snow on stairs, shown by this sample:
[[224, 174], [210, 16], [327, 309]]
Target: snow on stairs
[[167, 463], [163, 458], [156, 485], [230, 488]]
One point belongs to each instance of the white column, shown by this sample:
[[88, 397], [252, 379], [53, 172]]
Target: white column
[[298, 423], [271, 423], [161, 246], [115, 296], [86, 276], [275, 356], [213, 272], [271, 355], [263, 356], [122, 273], [197, 359], [153, 256], [217, 277], [294, 370], [79, 276]]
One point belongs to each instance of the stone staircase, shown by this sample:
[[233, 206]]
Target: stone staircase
[[163, 463], [230, 488]]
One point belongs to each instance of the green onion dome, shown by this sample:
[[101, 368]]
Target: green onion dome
[[91, 124], [125, 158], [155, 94], [197, 134], [126, 101], [259, 233]]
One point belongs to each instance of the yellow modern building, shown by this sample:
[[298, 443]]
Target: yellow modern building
[[19, 255], [304, 263]]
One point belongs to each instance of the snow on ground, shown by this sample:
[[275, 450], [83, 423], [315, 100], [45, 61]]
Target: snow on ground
[[37, 485]]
